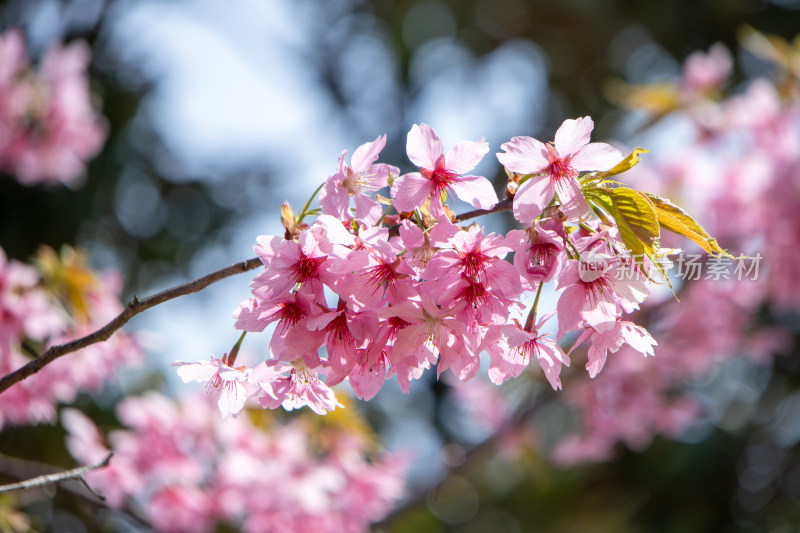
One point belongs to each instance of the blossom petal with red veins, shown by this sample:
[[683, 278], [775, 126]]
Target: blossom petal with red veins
[[532, 198], [600, 314], [232, 398], [410, 191], [572, 135], [423, 146], [465, 156], [596, 156], [524, 155], [597, 360], [476, 190], [367, 153], [569, 307], [551, 357], [367, 380]]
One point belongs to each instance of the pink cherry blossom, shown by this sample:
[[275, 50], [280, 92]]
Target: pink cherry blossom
[[422, 246], [292, 386], [360, 180], [479, 259], [598, 299], [611, 340], [555, 168], [48, 126], [433, 325], [228, 382], [440, 173], [291, 265], [539, 251], [511, 347]]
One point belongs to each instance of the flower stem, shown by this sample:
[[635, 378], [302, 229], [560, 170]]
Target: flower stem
[[304, 211], [532, 314]]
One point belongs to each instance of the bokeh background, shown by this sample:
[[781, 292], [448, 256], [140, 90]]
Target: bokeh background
[[219, 111]]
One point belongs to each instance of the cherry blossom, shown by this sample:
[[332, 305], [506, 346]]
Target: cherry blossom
[[440, 173], [48, 126], [228, 382], [555, 168], [360, 180]]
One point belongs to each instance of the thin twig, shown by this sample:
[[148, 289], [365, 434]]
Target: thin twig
[[17, 469], [133, 308], [49, 479], [503, 205]]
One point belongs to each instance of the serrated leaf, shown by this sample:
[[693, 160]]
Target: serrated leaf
[[638, 226], [626, 164], [636, 213], [673, 218]]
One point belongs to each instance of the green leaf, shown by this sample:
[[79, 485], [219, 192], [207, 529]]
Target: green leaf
[[676, 220], [638, 226], [636, 218], [637, 222], [626, 164]]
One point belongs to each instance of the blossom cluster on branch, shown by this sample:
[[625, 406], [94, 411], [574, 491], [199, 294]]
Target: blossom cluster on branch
[[394, 286], [182, 468], [738, 159], [59, 301], [49, 127]]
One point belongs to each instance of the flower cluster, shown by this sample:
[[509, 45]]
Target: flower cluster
[[48, 126], [60, 301], [739, 156], [364, 293], [184, 469]]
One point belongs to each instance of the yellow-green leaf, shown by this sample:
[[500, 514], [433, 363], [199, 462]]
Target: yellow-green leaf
[[626, 164], [638, 225], [635, 215], [676, 220]]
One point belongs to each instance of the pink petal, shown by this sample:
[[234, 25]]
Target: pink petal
[[532, 198], [232, 399], [504, 279], [602, 316], [524, 155], [596, 156], [367, 153], [573, 202], [476, 190], [368, 210], [572, 135], [423, 146], [196, 371], [597, 360], [466, 155], [638, 338], [569, 308], [410, 191], [553, 351]]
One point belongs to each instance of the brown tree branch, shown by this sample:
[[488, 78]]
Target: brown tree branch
[[137, 306], [133, 308], [49, 479]]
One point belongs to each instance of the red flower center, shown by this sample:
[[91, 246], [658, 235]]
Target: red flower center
[[559, 167]]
